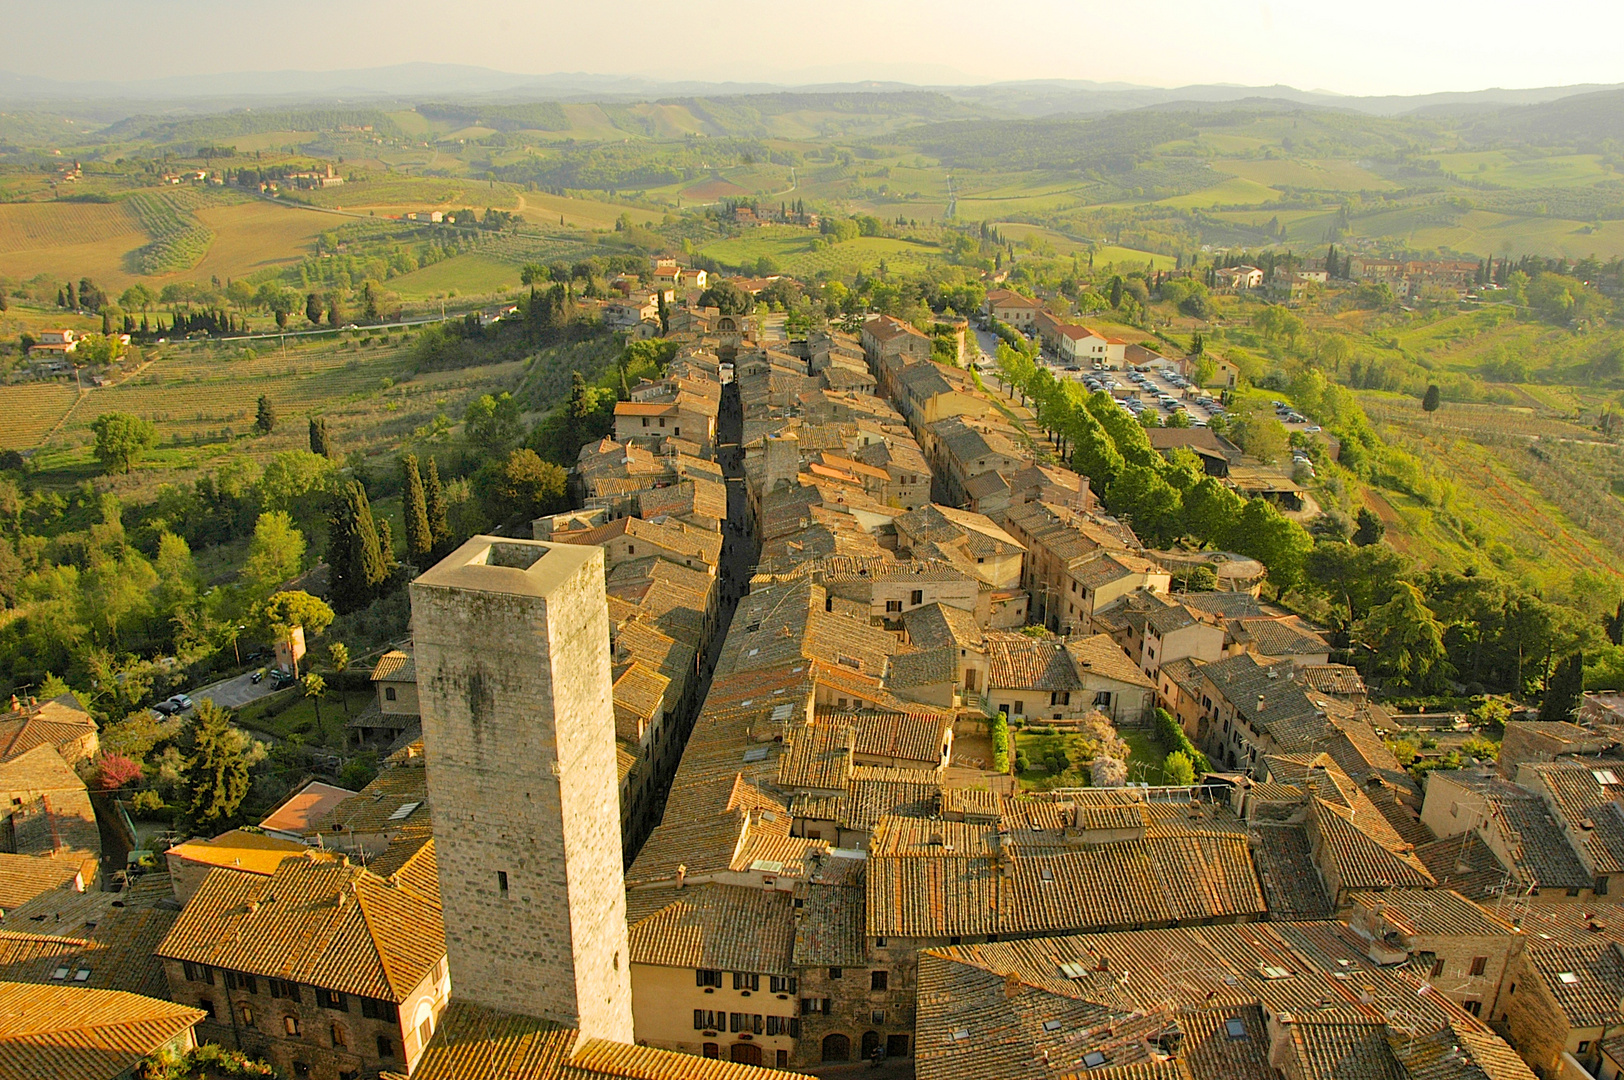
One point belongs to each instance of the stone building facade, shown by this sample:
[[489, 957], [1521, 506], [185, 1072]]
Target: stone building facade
[[514, 685]]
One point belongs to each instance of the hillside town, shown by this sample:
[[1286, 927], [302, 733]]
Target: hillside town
[[751, 727]]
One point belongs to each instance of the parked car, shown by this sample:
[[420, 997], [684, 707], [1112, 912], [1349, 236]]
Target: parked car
[[257, 677], [281, 677], [165, 708]]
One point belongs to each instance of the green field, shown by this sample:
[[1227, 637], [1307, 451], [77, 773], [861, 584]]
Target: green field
[[792, 250], [473, 273], [1235, 191]]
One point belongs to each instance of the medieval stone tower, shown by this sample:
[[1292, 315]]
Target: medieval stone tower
[[512, 651]]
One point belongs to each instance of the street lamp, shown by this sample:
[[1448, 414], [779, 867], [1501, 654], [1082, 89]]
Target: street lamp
[[234, 647]]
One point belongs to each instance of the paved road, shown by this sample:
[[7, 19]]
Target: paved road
[[232, 693]]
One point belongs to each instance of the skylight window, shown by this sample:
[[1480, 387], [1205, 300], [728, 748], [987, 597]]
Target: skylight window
[[1073, 971], [81, 975], [404, 811], [1051, 1025], [1094, 1059], [1269, 971], [60, 973], [961, 1034], [1604, 776], [1568, 977], [1235, 1028]]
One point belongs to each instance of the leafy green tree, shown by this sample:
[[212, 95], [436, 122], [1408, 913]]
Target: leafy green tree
[[1432, 398], [435, 507], [1368, 527], [1262, 436], [419, 538], [1178, 770], [314, 687], [207, 1062], [522, 486], [338, 661], [1273, 539], [177, 574], [275, 554], [318, 437], [1614, 624], [357, 566], [215, 777], [728, 299], [121, 439], [1565, 690], [491, 423], [265, 417], [313, 309], [1406, 640]]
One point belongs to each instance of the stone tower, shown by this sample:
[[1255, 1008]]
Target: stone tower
[[512, 652]]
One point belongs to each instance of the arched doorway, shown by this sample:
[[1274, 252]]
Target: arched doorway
[[871, 1044], [836, 1047], [745, 1053]]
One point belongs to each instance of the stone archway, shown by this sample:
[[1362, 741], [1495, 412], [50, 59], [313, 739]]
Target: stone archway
[[836, 1047], [871, 1044]]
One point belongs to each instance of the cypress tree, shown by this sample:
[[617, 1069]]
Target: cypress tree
[[1615, 625], [419, 538], [434, 506], [354, 557], [1565, 690], [215, 780], [318, 436], [265, 419]]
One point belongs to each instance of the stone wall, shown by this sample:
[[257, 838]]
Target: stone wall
[[512, 644]]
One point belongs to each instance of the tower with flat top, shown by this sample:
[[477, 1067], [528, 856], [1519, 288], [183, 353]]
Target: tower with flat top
[[512, 653]]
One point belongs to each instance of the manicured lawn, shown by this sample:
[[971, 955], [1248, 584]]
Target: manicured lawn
[[300, 719]]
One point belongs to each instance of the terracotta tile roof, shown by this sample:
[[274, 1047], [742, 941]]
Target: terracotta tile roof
[[1586, 981], [1587, 803], [817, 757], [1276, 637], [871, 794], [304, 807], [886, 328], [55, 816], [250, 852], [23, 877], [935, 894], [1435, 912], [1361, 861], [924, 668], [1338, 680], [639, 693], [115, 944], [74, 1031], [830, 931], [395, 666], [53, 723], [375, 807], [1463, 862], [942, 626], [1063, 1008], [323, 923], [1099, 655], [728, 927], [1457, 1053], [1540, 853], [1020, 662], [1285, 867]]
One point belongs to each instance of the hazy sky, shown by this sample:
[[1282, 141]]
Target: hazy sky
[[1369, 47]]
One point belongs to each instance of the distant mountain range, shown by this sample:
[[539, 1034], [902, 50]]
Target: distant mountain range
[[440, 82]]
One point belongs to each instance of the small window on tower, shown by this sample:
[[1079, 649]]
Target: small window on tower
[[501, 881]]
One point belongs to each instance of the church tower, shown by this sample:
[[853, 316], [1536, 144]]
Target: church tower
[[512, 652]]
